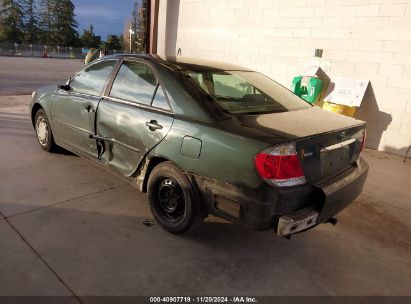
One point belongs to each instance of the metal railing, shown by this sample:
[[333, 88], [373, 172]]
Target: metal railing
[[36, 50]]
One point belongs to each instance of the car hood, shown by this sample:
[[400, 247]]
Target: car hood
[[300, 123]]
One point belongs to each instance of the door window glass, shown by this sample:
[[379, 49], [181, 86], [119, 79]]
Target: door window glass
[[92, 79], [134, 82], [160, 100]]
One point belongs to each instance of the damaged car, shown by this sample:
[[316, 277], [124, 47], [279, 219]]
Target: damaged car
[[206, 138]]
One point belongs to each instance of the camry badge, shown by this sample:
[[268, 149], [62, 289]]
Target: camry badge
[[341, 136], [308, 154]]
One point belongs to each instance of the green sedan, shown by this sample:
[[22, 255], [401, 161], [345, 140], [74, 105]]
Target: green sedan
[[206, 138]]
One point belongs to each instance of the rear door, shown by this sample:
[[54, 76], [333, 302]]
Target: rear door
[[73, 111], [133, 116]]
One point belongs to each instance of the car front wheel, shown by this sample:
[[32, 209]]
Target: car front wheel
[[43, 131], [173, 200]]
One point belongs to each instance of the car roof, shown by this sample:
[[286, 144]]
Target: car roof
[[196, 64], [183, 63]]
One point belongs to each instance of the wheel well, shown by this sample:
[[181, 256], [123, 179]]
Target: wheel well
[[151, 165], [35, 109]]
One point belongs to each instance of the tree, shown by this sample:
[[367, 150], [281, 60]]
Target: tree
[[142, 28], [139, 26], [46, 21], [11, 21], [30, 21], [58, 22], [121, 41], [113, 43], [64, 28], [90, 40]]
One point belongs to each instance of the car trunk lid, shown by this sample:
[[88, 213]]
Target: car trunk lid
[[326, 143]]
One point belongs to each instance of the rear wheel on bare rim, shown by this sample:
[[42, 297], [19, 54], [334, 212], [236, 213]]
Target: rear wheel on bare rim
[[173, 200]]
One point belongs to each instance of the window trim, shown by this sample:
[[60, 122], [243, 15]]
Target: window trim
[[137, 105], [105, 83], [109, 86]]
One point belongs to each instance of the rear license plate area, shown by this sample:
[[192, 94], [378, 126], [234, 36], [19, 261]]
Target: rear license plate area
[[334, 160]]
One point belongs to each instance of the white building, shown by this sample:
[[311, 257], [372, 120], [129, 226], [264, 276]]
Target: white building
[[366, 39]]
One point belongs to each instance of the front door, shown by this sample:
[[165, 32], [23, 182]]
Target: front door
[[73, 111], [134, 118]]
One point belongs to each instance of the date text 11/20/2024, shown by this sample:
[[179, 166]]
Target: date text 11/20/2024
[[203, 299]]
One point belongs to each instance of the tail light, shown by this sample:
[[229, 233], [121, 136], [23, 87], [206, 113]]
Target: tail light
[[280, 166], [362, 143]]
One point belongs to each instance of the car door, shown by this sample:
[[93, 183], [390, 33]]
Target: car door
[[73, 110], [133, 117]]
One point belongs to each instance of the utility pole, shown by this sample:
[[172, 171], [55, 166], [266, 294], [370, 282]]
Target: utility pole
[[131, 32]]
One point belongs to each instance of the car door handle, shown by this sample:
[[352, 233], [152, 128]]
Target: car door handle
[[90, 108], [153, 125]]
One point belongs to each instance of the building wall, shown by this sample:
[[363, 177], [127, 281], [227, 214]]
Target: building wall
[[368, 39]]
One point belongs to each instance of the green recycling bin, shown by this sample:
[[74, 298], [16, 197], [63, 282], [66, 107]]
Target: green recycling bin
[[308, 88]]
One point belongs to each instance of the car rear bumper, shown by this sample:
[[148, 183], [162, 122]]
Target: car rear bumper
[[339, 192], [300, 207]]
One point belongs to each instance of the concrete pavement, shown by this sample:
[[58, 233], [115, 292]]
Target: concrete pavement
[[70, 228], [22, 75]]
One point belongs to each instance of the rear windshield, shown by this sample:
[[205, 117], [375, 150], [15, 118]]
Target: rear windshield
[[243, 92]]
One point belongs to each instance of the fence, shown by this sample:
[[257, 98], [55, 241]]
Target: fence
[[36, 50], [32, 50]]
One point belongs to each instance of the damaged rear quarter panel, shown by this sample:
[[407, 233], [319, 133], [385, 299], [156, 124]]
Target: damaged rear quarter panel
[[225, 157]]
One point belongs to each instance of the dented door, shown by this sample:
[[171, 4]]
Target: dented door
[[125, 133], [133, 119]]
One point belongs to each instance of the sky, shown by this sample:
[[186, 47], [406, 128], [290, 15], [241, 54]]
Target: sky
[[107, 16]]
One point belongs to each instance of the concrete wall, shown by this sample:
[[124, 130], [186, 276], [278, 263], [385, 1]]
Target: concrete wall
[[360, 39]]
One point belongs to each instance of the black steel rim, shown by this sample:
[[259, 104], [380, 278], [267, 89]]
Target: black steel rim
[[171, 201]]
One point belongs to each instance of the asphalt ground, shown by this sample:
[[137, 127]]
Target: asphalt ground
[[68, 227], [22, 75]]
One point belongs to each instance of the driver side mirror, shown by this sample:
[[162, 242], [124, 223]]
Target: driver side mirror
[[64, 87]]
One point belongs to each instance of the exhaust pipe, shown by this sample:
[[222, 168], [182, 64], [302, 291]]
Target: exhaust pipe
[[333, 221]]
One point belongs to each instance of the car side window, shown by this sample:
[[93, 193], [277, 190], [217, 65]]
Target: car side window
[[160, 100], [92, 79], [136, 82]]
